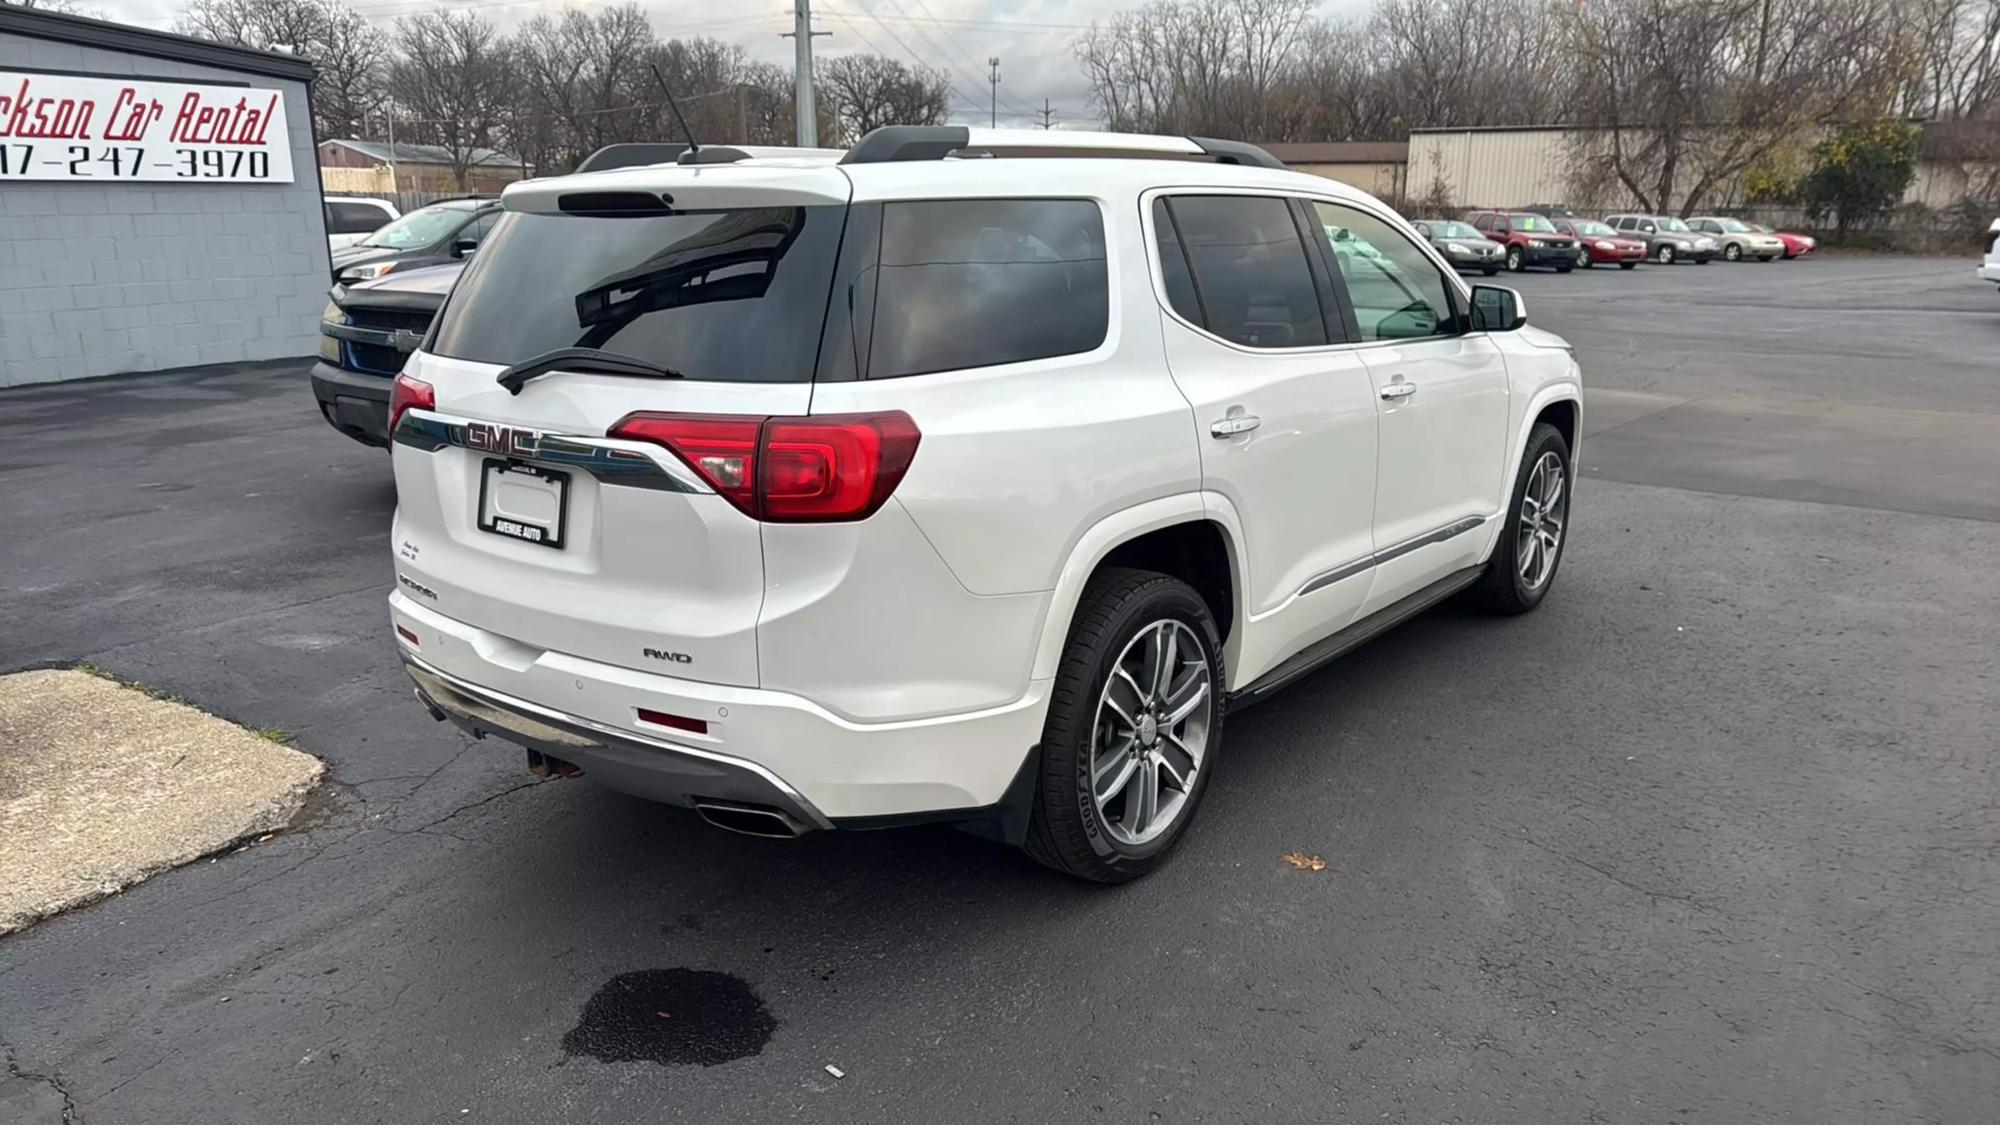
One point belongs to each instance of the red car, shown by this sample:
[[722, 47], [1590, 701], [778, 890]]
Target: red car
[[1530, 240], [1796, 245], [1599, 243]]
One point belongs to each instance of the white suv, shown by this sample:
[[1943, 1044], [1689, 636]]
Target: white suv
[[1989, 270], [843, 491]]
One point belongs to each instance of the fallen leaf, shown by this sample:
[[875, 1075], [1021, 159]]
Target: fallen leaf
[[1304, 862], [663, 1015]]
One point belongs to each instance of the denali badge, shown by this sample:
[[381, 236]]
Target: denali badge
[[673, 657]]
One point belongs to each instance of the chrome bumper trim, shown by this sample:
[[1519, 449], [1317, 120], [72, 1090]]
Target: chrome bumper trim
[[556, 732]]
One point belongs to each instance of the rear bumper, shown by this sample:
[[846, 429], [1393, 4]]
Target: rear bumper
[[635, 763], [1989, 271], [759, 747], [355, 404]]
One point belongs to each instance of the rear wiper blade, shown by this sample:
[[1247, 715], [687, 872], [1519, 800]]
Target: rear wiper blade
[[581, 359]]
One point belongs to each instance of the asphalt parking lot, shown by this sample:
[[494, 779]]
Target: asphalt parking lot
[[1713, 836]]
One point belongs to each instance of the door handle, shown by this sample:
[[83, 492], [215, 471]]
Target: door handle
[[1234, 424], [1399, 390]]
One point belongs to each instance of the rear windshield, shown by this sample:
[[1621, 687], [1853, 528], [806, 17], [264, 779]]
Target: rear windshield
[[732, 296]]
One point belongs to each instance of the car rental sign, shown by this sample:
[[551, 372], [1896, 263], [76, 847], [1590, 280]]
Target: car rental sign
[[66, 127]]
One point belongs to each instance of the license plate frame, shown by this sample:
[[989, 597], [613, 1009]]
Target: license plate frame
[[518, 529]]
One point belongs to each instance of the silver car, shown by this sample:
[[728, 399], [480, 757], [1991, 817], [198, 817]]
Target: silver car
[[1738, 240]]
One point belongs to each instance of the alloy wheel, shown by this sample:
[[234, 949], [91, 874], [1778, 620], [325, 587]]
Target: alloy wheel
[[1544, 512], [1152, 732], [1666, 255]]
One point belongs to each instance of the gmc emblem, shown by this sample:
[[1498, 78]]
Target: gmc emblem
[[504, 440]]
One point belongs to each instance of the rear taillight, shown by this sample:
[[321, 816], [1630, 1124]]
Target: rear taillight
[[788, 470], [406, 393]]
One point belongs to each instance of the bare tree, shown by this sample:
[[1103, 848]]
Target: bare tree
[[352, 57], [870, 91], [1691, 95], [452, 77]]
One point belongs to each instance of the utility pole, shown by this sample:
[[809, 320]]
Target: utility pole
[[802, 72], [993, 111], [1048, 114]]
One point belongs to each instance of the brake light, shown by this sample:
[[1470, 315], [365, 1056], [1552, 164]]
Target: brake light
[[823, 468], [406, 393]]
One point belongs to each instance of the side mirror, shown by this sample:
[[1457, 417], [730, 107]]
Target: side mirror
[[1496, 308], [464, 247]]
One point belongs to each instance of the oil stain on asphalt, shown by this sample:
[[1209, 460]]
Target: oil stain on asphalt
[[672, 1017]]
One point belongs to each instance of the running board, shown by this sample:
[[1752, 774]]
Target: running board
[[1368, 628]]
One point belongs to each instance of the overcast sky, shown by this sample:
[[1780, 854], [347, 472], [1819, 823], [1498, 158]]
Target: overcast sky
[[1031, 37]]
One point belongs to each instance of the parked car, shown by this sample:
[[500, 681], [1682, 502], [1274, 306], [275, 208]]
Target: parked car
[[1464, 247], [366, 333], [1796, 245], [1549, 211], [1528, 240], [1989, 270], [1668, 240], [445, 231], [351, 218], [1738, 239], [1596, 242], [663, 519]]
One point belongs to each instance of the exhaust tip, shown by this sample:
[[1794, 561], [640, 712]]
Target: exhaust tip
[[751, 820], [436, 711]]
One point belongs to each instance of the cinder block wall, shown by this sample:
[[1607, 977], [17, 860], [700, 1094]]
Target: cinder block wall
[[98, 278]]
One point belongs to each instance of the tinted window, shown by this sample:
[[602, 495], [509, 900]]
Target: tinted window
[[1250, 270], [354, 218], [1397, 293], [975, 282], [1174, 267], [477, 230], [737, 296]]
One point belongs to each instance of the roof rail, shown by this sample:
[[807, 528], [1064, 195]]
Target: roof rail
[[898, 143]]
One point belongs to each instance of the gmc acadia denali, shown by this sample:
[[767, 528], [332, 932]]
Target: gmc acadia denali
[[819, 490]]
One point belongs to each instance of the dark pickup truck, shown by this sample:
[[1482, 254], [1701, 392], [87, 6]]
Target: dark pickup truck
[[365, 334]]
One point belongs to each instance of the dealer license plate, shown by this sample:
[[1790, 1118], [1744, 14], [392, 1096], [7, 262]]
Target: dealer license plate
[[523, 502]]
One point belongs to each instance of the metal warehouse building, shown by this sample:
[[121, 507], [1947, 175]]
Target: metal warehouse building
[[159, 201]]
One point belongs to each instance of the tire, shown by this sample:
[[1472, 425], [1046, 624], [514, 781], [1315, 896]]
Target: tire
[[1069, 828], [1564, 269], [1664, 255], [1489, 271], [1506, 589], [1733, 252], [1516, 261], [1583, 260], [1628, 265]]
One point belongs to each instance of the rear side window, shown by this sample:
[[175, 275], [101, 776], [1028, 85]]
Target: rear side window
[[730, 296], [977, 282], [354, 218], [1174, 266], [1250, 271]]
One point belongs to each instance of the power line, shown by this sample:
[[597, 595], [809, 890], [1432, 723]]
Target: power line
[[861, 35], [928, 38]]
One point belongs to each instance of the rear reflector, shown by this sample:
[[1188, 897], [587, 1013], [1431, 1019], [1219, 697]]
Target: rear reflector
[[822, 468], [677, 722], [408, 392], [408, 636]]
